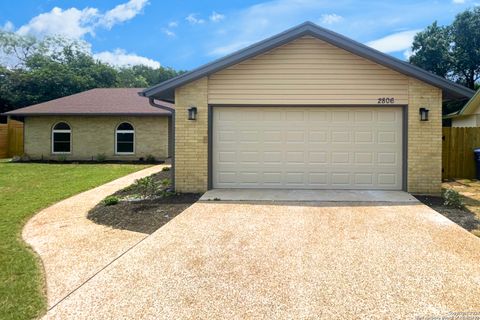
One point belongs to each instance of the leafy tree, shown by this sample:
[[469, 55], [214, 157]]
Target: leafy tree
[[36, 70], [466, 46], [431, 49], [451, 51]]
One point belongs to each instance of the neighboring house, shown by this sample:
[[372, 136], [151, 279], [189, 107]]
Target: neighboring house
[[116, 124], [308, 109], [469, 115]]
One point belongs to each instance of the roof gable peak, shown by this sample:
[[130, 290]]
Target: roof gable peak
[[166, 89]]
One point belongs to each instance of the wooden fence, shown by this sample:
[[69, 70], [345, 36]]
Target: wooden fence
[[457, 152], [11, 139]]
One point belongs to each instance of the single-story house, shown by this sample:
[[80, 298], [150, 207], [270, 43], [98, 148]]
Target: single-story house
[[308, 109], [469, 115], [114, 124]]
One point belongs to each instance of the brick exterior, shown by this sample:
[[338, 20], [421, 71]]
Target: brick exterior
[[424, 139], [93, 135], [191, 138]]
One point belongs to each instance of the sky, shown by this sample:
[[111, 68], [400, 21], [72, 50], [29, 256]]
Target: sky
[[185, 34]]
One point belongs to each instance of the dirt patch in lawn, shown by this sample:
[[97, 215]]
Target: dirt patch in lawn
[[145, 215]]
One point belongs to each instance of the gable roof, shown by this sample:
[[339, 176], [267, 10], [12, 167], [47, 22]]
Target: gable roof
[[102, 101], [166, 89], [469, 108]]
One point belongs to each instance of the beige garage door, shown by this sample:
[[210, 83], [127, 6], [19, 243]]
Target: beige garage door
[[307, 147]]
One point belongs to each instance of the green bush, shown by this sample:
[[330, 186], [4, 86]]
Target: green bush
[[101, 157], [166, 183], [150, 159], [110, 201], [62, 158], [452, 198], [166, 169], [147, 187]]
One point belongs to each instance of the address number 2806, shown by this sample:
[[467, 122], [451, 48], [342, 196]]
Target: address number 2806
[[386, 100]]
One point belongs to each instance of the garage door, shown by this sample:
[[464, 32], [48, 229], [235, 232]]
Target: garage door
[[307, 147]]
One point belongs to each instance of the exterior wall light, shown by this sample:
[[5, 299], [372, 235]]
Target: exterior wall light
[[424, 114], [192, 113]]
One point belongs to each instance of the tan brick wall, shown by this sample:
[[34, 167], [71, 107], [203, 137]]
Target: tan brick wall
[[191, 138], [424, 139], [95, 135]]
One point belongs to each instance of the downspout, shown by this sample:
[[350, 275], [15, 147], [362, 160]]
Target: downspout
[[172, 138]]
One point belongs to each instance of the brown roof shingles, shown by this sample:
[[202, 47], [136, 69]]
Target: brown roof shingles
[[102, 101]]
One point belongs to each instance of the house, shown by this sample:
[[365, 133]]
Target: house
[[469, 115], [307, 109], [115, 124]]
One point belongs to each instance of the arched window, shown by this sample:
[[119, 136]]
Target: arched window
[[61, 138], [125, 139]]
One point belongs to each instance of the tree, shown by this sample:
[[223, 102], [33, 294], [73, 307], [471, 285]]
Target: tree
[[451, 51], [37, 70], [431, 49], [466, 46]]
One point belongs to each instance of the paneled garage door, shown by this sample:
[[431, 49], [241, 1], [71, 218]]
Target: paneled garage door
[[307, 147]]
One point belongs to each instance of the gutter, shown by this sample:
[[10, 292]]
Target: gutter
[[172, 133]]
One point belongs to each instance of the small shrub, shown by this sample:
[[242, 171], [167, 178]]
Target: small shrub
[[166, 169], [150, 159], [166, 183], [101, 157], [110, 201], [452, 198], [62, 158], [147, 187]]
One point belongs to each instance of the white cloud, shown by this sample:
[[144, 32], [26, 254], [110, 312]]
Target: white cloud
[[407, 54], [8, 26], [216, 17], [192, 18], [123, 12], [395, 42], [121, 58], [330, 18], [76, 23], [173, 24], [168, 32], [71, 22], [458, 1]]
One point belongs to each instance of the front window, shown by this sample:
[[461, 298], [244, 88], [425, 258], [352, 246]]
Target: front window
[[61, 138], [125, 139]]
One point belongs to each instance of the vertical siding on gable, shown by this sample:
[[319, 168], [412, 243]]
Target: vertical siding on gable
[[307, 71]]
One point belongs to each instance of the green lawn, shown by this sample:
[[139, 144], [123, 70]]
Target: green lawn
[[25, 188]]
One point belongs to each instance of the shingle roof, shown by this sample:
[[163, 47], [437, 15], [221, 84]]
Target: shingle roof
[[166, 89], [469, 108], [103, 101]]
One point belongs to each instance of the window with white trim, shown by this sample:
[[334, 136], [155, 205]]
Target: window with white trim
[[61, 138], [125, 139]]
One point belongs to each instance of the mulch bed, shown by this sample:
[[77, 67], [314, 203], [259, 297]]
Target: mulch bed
[[144, 216], [460, 216]]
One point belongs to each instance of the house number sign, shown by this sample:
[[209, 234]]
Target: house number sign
[[386, 100]]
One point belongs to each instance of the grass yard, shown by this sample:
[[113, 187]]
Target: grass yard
[[25, 188]]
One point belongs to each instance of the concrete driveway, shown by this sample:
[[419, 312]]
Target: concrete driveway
[[225, 260]]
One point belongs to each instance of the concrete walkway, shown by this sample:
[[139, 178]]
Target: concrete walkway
[[72, 248], [223, 260]]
